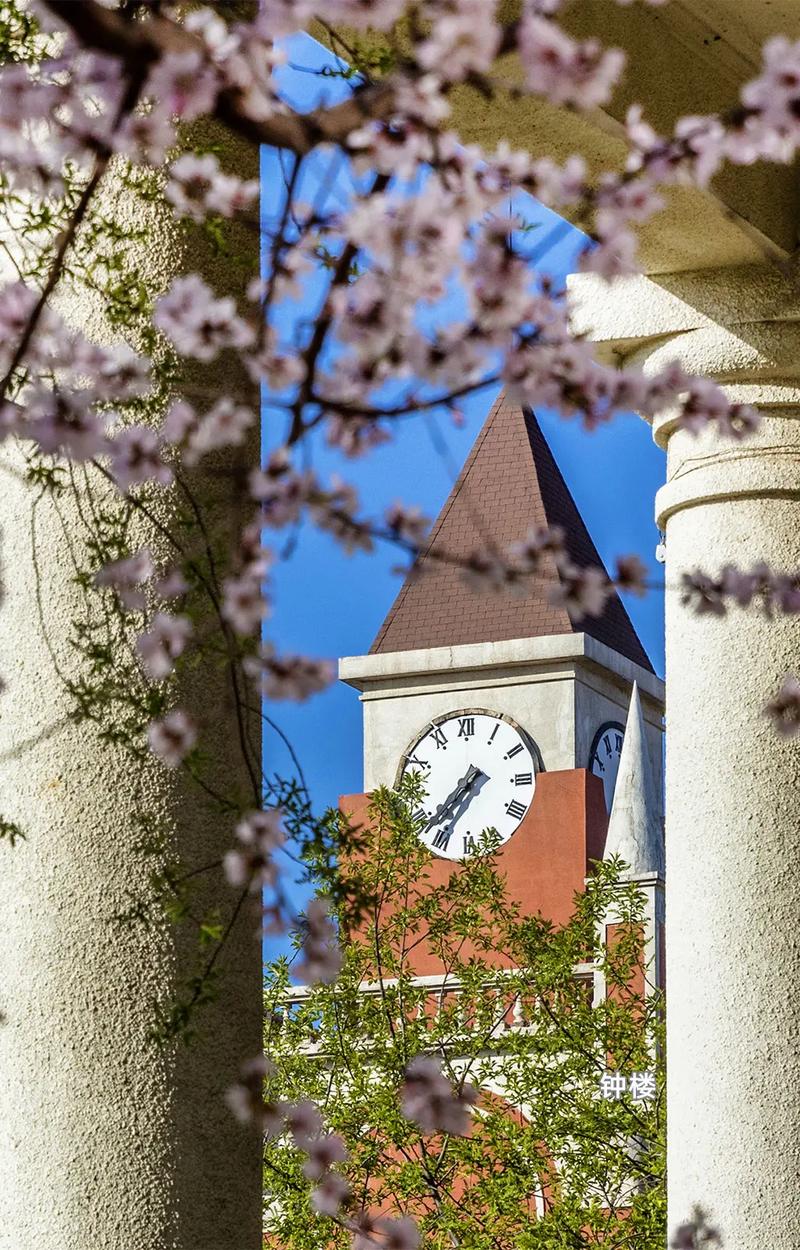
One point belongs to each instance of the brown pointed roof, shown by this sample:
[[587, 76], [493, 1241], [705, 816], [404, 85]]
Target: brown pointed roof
[[509, 484]]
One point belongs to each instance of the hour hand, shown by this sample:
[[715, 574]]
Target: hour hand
[[459, 798], [460, 788]]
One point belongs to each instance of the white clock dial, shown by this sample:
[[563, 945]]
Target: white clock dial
[[604, 756], [480, 773]]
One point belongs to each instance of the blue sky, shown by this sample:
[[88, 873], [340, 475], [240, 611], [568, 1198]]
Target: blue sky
[[330, 604]]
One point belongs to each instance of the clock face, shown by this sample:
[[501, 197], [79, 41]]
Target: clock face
[[604, 756], [480, 773]]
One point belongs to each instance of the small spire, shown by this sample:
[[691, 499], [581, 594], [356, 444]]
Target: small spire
[[634, 828]]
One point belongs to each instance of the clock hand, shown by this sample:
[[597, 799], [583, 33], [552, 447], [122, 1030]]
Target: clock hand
[[461, 786], [443, 836]]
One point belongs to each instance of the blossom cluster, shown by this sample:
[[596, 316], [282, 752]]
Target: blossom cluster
[[772, 592], [432, 1102]]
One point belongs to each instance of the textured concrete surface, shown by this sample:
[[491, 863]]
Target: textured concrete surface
[[106, 1142], [733, 854]]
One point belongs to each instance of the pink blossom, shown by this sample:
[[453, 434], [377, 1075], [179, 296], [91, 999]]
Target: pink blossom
[[224, 425], [181, 420], [295, 677], [559, 185], [407, 523], [429, 1099], [198, 186], [703, 593], [251, 863], [163, 643], [330, 1193], [784, 709], [696, 1234], [182, 84], [383, 1233], [303, 1121], [540, 541], [487, 571], [244, 604], [322, 1153], [17, 302], [400, 1233], [172, 585], [333, 510], [136, 457], [582, 74], [365, 14], [213, 30], [707, 404], [322, 958], [172, 738], [631, 574], [197, 323], [146, 136], [10, 420], [127, 576], [64, 421], [281, 490], [117, 372], [461, 43], [583, 592], [246, 1098]]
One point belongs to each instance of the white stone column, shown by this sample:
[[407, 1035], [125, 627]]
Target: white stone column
[[732, 786], [105, 1140]]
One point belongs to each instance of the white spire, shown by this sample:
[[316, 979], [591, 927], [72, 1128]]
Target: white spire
[[634, 827]]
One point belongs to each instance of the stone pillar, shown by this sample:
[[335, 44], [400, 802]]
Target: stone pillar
[[105, 1140], [732, 786]]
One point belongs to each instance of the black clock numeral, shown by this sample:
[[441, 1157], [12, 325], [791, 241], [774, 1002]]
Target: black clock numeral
[[598, 763], [413, 759], [470, 846], [439, 737], [494, 731], [466, 726], [509, 755], [618, 743], [515, 809], [607, 743], [523, 779], [442, 838], [420, 814]]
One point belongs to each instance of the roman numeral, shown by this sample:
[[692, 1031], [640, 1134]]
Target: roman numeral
[[607, 742], [412, 759], [618, 741], [515, 809], [442, 838], [466, 726], [420, 814], [438, 735], [470, 845], [494, 731], [509, 755], [523, 779]]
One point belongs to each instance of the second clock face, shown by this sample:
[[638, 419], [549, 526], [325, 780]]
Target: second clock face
[[605, 755], [480, 773]]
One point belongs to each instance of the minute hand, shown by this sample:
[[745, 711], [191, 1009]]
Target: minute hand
[[469, 778]]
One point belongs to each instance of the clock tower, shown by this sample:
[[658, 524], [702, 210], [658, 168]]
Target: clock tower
[[514, 713]]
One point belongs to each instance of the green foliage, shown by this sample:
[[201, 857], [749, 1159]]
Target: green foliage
[[549, 1163]]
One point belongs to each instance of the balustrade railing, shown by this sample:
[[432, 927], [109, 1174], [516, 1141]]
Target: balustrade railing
[[514, 1011]]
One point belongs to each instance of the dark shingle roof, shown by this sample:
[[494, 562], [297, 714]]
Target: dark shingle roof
[[509, 484]]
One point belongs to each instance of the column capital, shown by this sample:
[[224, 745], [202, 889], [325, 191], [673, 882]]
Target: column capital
[[739, 325]]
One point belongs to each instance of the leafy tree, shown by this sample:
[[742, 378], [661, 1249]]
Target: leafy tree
[[547, 1162]]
